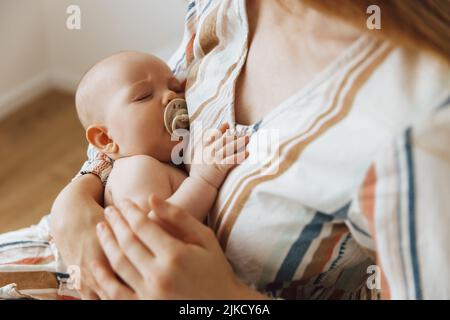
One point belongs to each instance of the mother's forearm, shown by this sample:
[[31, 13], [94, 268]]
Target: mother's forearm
[[76, 209]]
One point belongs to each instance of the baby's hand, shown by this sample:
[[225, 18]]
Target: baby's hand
[[221, 152]]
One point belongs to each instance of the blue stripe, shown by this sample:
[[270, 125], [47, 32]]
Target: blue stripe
[[61, 275], [191, 5], [257, 125], [412, 215], [206, 7], [175, 70], [342, 214], [189, 16], [301, 246], [399, 229], [193, 12], [359, 229], [41, 243]]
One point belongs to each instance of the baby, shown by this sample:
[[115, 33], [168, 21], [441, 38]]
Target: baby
[[128, 103]]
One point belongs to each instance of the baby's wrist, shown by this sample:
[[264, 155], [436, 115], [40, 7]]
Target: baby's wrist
[[205, 182]]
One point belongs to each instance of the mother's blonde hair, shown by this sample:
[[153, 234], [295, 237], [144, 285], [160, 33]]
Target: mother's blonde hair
[[423, 24]]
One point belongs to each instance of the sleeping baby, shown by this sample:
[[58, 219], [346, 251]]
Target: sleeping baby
[[131, 106]]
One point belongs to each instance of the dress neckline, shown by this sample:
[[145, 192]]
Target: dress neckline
[[343, 58]]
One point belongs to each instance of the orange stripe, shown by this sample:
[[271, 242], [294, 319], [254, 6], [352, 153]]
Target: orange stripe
[[294, 152], [192, 77], [318, 262], [332, 107], [367, 197], [208, 39], [190, 50], [32, 260], [239, 64], [228, 73], [200, 108], [324, 253]]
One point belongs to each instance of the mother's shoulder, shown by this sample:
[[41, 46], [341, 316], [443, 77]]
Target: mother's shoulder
[[413, 79]]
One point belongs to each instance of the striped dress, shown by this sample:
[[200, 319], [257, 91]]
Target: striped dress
[[359, 177]]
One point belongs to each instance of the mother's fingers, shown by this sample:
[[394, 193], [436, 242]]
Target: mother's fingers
[[134, 249], [90, 290], [187, 227], [87, 294], [155, 238], [118, 260], [99, 292], [111, 287]]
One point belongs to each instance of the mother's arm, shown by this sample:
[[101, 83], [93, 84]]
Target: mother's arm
[[74, 215], [185, 263], [404, 202]]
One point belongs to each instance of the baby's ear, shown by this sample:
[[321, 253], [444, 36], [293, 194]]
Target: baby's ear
[[98, 137]]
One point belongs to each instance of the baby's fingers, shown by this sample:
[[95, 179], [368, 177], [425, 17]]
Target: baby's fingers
[[217, 133], [235, 159], [232, 147]]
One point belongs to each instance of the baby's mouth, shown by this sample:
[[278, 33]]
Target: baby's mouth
[[176, 115]]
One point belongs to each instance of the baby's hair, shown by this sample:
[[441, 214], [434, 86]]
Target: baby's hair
[[85, 111], [80, 99]]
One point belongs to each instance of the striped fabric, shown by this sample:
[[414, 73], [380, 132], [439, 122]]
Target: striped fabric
[[361, 166], [30, 267], [408, 198]]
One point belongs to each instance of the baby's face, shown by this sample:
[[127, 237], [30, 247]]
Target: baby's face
[[138, 88]]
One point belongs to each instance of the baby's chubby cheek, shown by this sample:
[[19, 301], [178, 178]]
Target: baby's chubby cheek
[[141, 134], [127, 134], [152, 141]]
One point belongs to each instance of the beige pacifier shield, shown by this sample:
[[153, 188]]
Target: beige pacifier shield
[[176, 115]]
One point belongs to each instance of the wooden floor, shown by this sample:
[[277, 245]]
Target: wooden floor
[[41, 148]]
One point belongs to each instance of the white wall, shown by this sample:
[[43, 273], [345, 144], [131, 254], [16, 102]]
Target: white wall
[[109, 26], [38, 51], [23, 58]]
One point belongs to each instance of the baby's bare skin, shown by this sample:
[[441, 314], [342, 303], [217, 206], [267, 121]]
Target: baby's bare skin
[[136, 177], [121, 103]]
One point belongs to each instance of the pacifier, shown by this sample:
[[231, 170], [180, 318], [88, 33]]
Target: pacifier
[[176, 115]]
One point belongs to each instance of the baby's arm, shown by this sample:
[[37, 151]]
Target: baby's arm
[[195, 196], [198, 192], [135, 178]]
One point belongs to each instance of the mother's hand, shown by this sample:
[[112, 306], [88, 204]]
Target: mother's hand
[[168, 256]]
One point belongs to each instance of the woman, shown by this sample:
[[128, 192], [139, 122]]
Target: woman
[[360, 117]]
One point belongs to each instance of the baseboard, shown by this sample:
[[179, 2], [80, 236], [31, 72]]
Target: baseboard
[[64, 81], [29, 90], [23, 93], [57, 79]]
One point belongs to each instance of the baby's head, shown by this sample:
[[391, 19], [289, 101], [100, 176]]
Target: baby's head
[[120, 102]]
